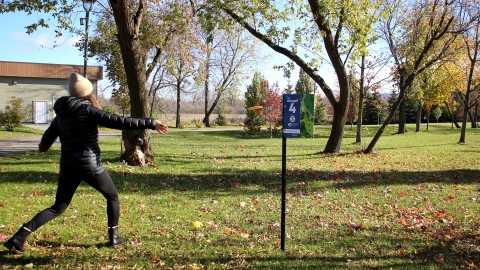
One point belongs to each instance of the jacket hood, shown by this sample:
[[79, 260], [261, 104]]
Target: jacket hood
[[65, 105]]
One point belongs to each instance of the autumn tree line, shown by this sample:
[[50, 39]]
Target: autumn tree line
[[425, 49]]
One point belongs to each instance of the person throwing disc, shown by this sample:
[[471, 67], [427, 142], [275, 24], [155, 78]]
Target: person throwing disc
[[76, 124]]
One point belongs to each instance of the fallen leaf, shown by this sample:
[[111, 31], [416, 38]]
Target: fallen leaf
[[135, 243], [196, 225], [439, 259]]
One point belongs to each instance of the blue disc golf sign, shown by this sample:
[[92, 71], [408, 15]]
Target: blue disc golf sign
[[291, 115]]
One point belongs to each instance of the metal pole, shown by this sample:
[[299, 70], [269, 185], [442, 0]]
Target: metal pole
[[85, 58], [284, 191]]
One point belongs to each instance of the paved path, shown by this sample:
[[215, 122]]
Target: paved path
[[19, 145]]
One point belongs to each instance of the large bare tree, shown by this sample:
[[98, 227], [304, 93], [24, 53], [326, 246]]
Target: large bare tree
[[471, 39], [128, 16], [227, 54], [323, 25], [419, 34]]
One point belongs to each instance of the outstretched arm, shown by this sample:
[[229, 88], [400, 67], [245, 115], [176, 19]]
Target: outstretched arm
[[49, 137], [160, 127], [115, 121]]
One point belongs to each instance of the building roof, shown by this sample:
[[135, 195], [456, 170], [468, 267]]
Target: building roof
[[50, 71]]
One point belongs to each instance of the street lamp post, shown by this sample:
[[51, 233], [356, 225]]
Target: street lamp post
[[87, 5]]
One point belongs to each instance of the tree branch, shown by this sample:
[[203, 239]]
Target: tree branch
[[282, 50], [137, 20]]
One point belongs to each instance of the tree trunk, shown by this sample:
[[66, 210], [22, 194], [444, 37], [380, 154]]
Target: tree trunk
[[139, 141], [177, 118], [214, 105], [379, 133], [402, 118], [360, 118], [128, 18], [428, 119], [473, 116], [360, 101], [466, 102], [473, 123], [454, 121], [418, 120], [334, 142], [206, 119], [463, 129], [466, 112]]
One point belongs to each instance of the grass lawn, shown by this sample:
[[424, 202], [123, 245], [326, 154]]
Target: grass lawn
[[413, 204], [21, 131]]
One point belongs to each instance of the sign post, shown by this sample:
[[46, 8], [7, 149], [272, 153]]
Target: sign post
[[291, 128]]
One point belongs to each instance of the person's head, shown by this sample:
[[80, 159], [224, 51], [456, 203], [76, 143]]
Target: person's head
[[81, 87]]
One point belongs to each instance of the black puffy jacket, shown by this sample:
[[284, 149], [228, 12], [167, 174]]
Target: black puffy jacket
[[76, 124]]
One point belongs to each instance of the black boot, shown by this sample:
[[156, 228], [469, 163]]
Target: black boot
[[113, 237], [17, 241]]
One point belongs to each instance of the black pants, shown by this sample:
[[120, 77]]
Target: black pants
[[67, 185]]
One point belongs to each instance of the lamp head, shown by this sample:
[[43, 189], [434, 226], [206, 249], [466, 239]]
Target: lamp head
[[88, 4]]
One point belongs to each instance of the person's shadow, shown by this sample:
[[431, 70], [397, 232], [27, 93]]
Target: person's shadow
[[10, 259]]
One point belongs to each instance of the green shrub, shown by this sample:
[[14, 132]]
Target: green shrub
[[13, 115], [221, 120], [253, 125], [198, 123], [182, 125]]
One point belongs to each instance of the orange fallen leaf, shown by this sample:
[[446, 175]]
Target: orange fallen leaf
[[439, 259], [3, 237]]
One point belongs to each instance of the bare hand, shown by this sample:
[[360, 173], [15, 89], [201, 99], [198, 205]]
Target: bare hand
[[160, 127]]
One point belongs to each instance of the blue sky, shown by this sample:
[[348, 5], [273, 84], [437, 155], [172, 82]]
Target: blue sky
[[39, 47]]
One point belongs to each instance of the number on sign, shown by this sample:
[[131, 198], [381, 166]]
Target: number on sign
[[292, 107]]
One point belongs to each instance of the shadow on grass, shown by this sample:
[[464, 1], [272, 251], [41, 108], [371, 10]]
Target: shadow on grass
[[420, 254], [7, 259], [231, 179]]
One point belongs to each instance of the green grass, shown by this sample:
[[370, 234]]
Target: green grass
[[21, 131], [413, 204]]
